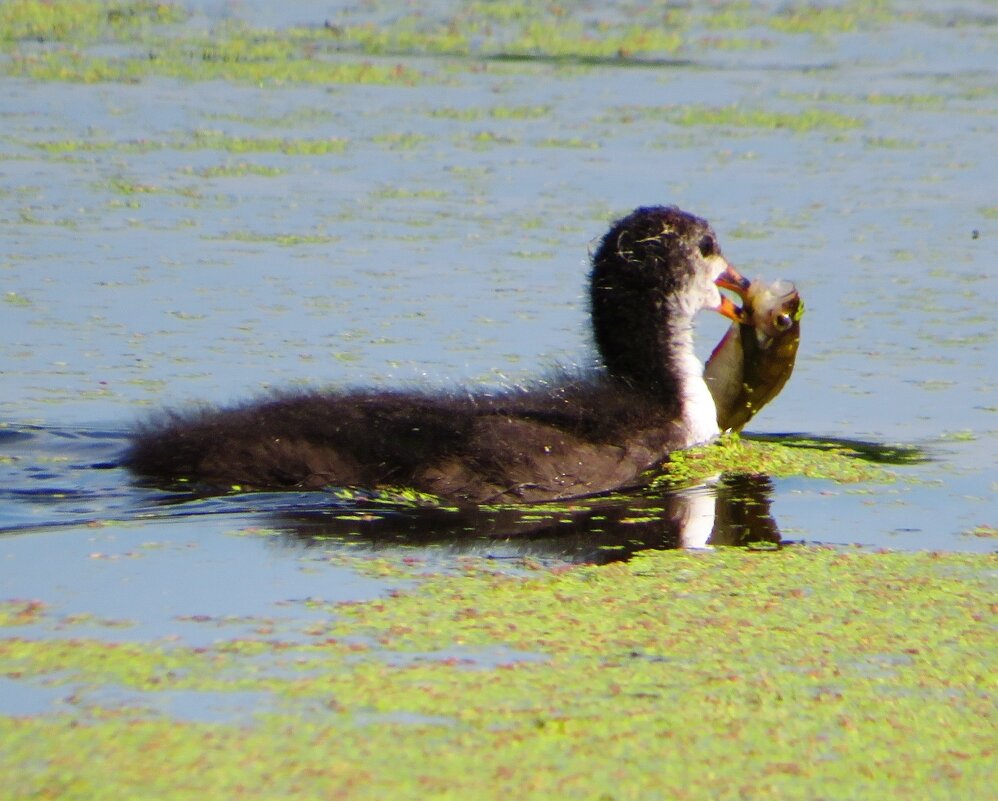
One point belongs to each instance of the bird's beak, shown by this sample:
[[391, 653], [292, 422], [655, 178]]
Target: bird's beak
[[731, 279]]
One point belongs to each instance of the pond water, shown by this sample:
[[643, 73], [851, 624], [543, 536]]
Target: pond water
[[171, 240]]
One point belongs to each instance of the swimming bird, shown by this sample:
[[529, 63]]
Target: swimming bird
[[571, 436]]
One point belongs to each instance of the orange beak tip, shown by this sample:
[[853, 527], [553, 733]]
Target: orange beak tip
[[730, 310]]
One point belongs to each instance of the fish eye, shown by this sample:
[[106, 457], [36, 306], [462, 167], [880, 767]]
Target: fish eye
[[707, 246], [783, 322]]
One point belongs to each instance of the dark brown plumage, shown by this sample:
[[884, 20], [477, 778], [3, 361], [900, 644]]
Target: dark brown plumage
[[581, 435]]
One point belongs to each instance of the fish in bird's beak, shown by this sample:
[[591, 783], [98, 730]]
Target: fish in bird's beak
[[731, 279], [755, 358]]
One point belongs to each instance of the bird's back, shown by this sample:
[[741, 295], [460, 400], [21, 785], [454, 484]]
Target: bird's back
[[538, 444]]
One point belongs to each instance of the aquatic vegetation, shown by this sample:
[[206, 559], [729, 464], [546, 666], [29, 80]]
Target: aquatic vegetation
[[402, 193], [472, 113], [737, 116], [467, 114], [324, 52], [804, 121], [123, 186], [744, 231], [958, 436], [828, 19], [392, 497], [218, 140], [20, 612], [890, 143], [405, 34], [82, 20], [737, 14], [297, 116], [291, 68], [571, 38], [843, 462], [314, 53], [507, 10], [401, 141], [489, 31], [792, 673], [70, 146], [74, 66], [211, 63], [574, 142], [731, 43], [754, 660], [15, 299], [285, 240], [239, 170], [519, 112], [483, 140], [920, 100], [202, 139], [800, 18]]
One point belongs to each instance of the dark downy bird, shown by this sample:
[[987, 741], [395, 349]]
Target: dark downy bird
[[652, 272]]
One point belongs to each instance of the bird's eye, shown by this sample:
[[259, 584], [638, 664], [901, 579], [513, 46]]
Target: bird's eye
[[707, 246], [783, 322]]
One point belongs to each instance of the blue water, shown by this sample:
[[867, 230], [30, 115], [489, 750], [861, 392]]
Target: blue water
[[132, 280]]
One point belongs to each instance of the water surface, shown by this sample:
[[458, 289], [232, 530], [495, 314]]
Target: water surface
[[161, 249]]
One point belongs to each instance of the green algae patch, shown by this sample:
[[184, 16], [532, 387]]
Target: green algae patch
[[203, 139], [82, 20], [351, 48], [566, 37], [239, 170], [219, 140], [297, 66], [843, 461], [805, 121], [80, 67], [285, 240], [831, 19], [16, 299], [801, 673], [17, 612], [802, 18], [736, 116]]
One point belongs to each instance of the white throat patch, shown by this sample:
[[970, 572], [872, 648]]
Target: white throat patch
[[699, 411]]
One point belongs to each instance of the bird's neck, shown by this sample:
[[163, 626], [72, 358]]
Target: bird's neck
[[697, 412], [674, 374], [648, 344]]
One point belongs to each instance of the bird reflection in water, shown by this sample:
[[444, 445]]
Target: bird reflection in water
[[735, 510]]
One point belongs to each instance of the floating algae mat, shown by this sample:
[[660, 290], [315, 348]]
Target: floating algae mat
[[204, 200], [789, 455], [802, 673]]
